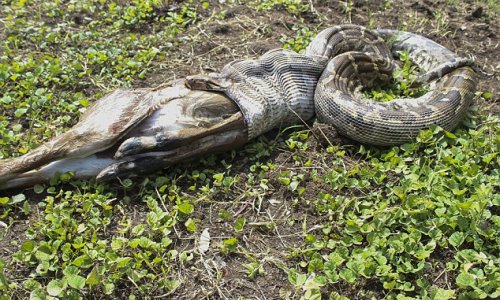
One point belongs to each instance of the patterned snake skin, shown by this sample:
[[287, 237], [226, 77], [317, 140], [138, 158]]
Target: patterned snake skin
[[283, 87]]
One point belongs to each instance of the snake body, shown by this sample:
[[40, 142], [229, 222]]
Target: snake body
[[282, 86], [153, 128]]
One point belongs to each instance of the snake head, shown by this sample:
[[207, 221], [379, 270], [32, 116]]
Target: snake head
[[210, 82]]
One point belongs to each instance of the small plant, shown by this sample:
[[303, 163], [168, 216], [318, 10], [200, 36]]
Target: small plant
[[299, 42], [442, 23], [387, 4], [414, 22], [294, 7], [309, 287], [254, 268], [229, 245], [347, 8], [402, 83]]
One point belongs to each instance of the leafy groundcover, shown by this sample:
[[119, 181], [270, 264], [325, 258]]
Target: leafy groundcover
[[299, 213]]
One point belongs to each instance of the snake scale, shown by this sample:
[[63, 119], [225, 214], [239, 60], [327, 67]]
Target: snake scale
[[282, 86]]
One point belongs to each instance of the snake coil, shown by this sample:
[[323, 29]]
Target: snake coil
[[282, 87]]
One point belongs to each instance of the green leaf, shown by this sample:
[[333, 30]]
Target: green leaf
[[218, 177], [399, 191], [28, 246], [296, 278], [126, 183], [240, 224], [38, 189], [186, 208], [330, 269], [348, 275], [456, 239], [190, 225], [4, 200], [109, 288], [458, 192], [123, 261], [3, 280], [442, 294], [138, 230], [17, 198], [82, 261], [487, 95], [468, 255], [254, 269], [20, 111], [71, 270], [450, 135], [43, 253], [76, 281], [464, 280], [93, 278], [229, 245], [489, 157], [389, 285], [56, 287]]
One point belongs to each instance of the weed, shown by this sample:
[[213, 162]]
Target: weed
[[293, 6], [347, 7], [298, 43], [414, 22], [402, 83], [442, 23]]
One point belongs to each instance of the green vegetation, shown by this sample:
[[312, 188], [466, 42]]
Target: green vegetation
[[45, 68], [299, 41], [401, 85], [288, 214], [294, 7], [399, 215]]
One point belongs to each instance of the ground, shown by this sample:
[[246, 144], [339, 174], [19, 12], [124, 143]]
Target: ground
[[291, 214]]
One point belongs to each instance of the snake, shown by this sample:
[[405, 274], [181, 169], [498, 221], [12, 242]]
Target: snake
[[284, 87], [133, 131]]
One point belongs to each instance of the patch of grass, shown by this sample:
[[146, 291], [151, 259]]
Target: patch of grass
[[85, 242], [347, 8], [48, 69], [414, 22], [441, 23]]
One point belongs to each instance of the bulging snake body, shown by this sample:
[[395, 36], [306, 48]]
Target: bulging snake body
[[282, 86], [142, 130]]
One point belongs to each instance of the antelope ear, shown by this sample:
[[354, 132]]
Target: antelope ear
[[210, 82]]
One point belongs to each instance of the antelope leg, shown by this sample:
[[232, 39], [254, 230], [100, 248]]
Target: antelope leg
[[229, 136], [98, 129], [180, 121], [184, 124], [85, 167], [170, 140]]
